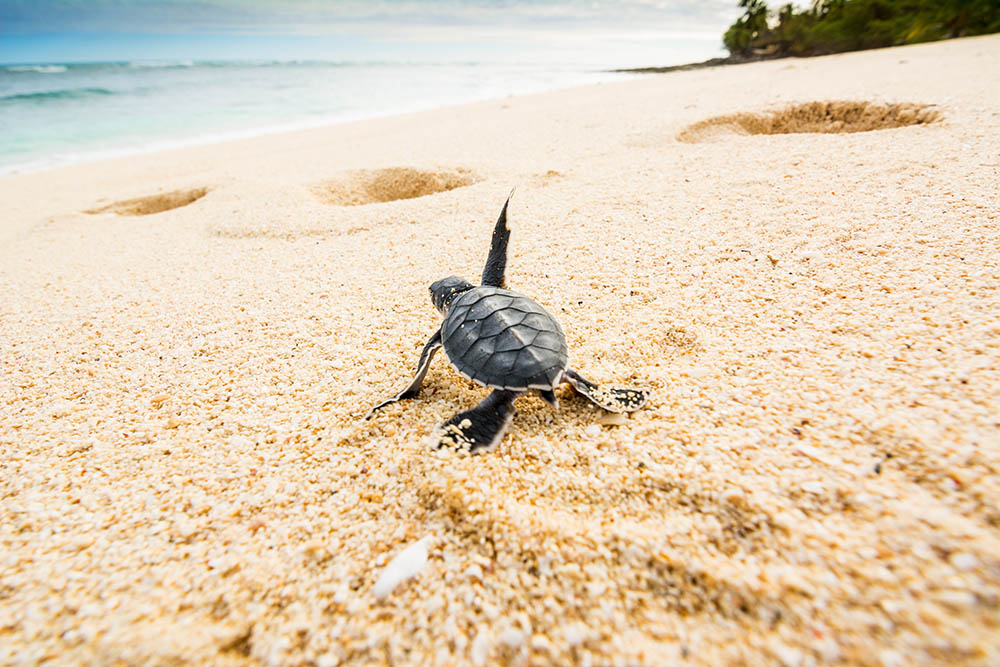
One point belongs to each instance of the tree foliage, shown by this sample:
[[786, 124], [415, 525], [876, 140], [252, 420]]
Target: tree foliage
[[831, 26], [749, 27]]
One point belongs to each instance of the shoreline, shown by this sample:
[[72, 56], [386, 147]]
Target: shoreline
[[214, 139], [495, 82], [704, 64]]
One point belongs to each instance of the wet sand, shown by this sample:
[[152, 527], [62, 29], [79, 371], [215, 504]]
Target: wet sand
[[189, 340]]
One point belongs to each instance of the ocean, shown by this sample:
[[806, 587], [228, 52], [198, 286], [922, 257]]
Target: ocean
[[54, 114]]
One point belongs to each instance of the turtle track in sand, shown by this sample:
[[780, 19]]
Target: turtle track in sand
[[374, 186], [831, 117], [158, 203]]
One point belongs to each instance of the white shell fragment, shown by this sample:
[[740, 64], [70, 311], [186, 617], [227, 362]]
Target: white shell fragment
[[408, 563], [613, 419]]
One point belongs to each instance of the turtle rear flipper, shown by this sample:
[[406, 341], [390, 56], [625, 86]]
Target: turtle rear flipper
[[612, 399], [549, 397], [413, 389], [481, 427]]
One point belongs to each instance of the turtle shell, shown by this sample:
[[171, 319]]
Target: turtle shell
[[504, 340]]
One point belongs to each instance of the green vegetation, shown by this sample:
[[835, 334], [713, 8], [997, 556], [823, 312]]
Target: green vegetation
[[832, 26]]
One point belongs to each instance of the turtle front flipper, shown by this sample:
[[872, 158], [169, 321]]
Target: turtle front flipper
[[414, 387], [496, 263], [612, 399], [481, 427]]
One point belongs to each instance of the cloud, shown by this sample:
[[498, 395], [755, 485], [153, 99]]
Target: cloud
[[339, 16], [606, 32]]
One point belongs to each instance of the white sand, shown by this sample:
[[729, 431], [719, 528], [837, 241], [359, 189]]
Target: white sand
[[816, 479]]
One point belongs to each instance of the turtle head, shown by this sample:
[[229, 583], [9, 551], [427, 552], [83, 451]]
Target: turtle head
[[444, 291]]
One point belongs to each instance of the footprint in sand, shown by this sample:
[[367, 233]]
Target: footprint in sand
[[813, 117], [371, 186], [153, 203]]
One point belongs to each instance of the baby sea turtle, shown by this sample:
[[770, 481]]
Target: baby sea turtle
[[506, 341]]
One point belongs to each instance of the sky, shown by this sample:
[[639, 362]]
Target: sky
[[609, 32]]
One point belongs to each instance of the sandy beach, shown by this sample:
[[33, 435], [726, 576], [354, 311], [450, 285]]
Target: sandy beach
[[189, 341]]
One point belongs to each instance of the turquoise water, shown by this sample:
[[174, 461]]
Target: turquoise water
[[53, 114]]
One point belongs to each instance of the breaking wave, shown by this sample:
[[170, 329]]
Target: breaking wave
[[63, 94]]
